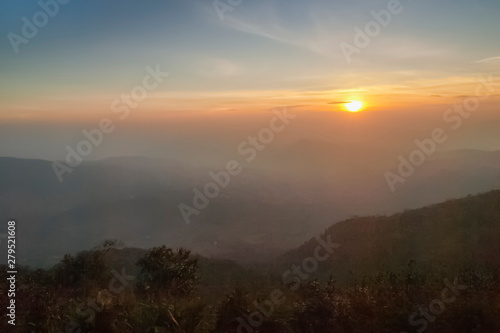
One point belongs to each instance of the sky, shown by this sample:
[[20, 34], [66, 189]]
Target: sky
[[255, 56]]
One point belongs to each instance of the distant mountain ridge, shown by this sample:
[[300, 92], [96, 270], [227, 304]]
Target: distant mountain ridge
[[448, 235], [262, 213]]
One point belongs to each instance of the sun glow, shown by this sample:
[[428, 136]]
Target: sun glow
[[354, 106]]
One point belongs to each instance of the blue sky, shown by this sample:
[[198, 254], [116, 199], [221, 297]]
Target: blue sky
[[100, 48]]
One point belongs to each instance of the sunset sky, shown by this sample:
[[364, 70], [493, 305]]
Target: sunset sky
[[263, 54]]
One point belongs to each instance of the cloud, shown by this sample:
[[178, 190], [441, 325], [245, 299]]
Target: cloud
[[487, 60], [312, 31], [272, 31]]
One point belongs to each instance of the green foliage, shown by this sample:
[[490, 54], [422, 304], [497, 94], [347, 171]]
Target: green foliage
[[233, 305], [163, 270], [167, 298], [85, 269]]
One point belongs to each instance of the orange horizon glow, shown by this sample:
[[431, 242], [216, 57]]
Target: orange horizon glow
[[437, 94]]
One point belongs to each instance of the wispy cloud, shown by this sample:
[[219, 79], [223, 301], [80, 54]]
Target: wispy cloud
[[279, 34], [487, 60]]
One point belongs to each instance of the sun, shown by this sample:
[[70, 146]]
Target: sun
[[354, 106]]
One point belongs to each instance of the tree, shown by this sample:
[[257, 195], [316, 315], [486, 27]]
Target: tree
[[86, 268], [163, 270]]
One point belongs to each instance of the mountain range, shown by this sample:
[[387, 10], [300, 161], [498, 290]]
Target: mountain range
[[267, 210]]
